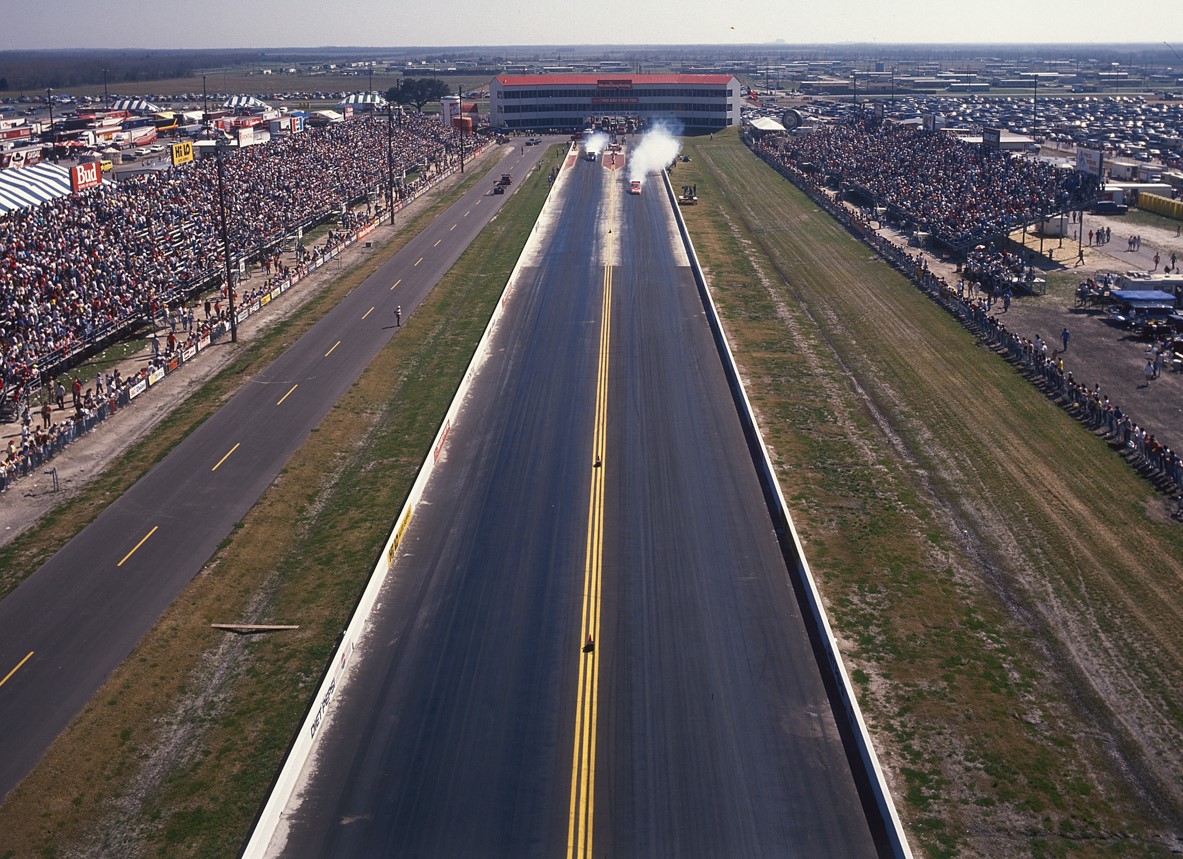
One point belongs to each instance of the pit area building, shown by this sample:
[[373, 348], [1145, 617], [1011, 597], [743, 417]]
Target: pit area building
[[700, 103]]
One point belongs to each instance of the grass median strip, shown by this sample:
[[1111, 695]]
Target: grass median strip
[[1003, 588], [175, 754]]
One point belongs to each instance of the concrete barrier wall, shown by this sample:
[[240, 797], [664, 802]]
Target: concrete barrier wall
[[267, 823], [846, 707]]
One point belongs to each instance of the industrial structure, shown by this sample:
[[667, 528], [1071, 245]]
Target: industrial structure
[[700, 103]]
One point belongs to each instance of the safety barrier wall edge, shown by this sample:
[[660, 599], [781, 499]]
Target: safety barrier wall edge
[[267, 822], [850, 711]]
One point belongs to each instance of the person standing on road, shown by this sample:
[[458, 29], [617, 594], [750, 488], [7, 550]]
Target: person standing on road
[[1064, 335], [398, 315], [1148, 370]]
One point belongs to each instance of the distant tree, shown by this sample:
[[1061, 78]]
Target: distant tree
[[418, 91], [3, 84]]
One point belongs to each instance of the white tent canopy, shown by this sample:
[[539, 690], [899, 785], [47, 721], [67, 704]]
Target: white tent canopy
[[134, 105], [249, 102], [31, 186], [766, 124], [371, 100]]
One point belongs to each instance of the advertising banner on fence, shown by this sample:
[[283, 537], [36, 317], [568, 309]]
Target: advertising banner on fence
[[83, 176], [182, 153], [1088, 161], [18, 158]]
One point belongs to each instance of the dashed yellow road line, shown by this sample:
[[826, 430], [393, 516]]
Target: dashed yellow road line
[[418, 261], [137, 546], [288, 394], [583, 758], [331, 348], [227, 456], [452, 228], [437, 243], [396, 283], [8, 676], [367, 313]]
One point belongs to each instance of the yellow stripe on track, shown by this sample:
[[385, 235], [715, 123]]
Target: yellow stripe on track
[[583, 758]]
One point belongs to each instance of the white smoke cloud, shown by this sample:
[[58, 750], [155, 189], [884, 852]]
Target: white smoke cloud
[[658, 148], [596, 143]]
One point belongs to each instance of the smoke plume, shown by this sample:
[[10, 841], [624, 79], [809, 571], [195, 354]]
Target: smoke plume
[[659, 146], [596, 143]]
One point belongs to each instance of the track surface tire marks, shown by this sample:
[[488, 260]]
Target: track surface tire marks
[[715, 735]]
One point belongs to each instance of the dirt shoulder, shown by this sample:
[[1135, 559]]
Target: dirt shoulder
[[1098, 353]]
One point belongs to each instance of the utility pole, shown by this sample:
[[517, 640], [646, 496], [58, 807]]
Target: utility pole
[[390, 159], [52, 146], [460, 110], [1034, 101], [226, 241]]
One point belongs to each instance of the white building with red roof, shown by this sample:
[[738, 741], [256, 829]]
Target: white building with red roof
[[700, 103]]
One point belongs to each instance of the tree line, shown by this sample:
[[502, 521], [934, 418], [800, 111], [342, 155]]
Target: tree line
[[34, 71]]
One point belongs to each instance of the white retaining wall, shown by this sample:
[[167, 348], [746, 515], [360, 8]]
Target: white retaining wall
[[847, 706], [267, 824]]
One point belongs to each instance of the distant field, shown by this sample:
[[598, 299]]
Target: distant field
[[237, 82]]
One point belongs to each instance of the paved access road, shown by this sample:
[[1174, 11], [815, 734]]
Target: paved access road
[[597, 483], [68, 626]]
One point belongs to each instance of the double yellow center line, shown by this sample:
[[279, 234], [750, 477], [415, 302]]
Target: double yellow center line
[[583, 759]]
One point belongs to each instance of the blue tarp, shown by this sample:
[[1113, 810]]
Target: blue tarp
[[1143, 297]]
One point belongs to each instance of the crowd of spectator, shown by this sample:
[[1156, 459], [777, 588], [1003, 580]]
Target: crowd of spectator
[[974, 300], [89, 265], [961, 194]]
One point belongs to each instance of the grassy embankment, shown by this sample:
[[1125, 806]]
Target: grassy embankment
[[1005, 589], [175, 753]]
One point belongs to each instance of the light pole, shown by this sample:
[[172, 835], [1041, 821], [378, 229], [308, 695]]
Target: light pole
[[460, 127], [390, 159], [52, 150], [204, 102], [1034, 101], [226, 240], [106, 98]]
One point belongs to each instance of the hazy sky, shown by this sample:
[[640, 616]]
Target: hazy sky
[[311, 23]]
